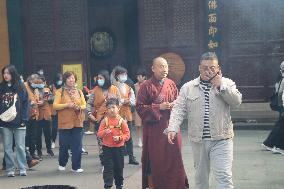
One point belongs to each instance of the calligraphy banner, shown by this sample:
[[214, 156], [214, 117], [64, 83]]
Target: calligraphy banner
[[212, 34]]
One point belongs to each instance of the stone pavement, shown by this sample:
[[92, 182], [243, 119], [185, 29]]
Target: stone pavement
[[252, 168]]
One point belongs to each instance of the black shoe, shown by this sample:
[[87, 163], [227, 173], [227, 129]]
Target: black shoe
[[50, 152], [133, 161], [39, 153], [119, 187], [34, 156]]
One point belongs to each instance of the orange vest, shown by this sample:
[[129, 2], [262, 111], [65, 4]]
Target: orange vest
[[125, 110], [34, 111], [44, 109], [100, 100], [68, 118], [53, 112]]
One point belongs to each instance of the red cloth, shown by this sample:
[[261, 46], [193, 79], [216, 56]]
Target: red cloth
[[165, 159], [124, 132]]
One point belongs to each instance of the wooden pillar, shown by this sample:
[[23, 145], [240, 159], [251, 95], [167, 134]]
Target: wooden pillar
[[4, 37]]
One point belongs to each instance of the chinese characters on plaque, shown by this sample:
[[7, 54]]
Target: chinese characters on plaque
[[212, 30]]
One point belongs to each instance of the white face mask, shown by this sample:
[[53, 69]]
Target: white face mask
[[122, 78]]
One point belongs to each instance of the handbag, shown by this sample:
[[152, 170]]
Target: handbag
[[11, 113], [274, 105]]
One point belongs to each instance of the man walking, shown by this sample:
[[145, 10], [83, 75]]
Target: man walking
[[162, 166], [206, 102]]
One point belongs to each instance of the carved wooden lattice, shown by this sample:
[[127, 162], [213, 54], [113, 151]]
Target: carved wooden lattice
[[184, 14], [245, 19], [155, 26], [42, 25], [70, 24], [275, 19]]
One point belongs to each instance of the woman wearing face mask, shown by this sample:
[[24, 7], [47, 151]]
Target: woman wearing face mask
[[57, 84], [13, 92], [31, 133], [96, 105], [127, 100], [44, 118], [275, 140]]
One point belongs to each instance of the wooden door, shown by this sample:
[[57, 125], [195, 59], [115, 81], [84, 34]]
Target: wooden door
[[112, 34]]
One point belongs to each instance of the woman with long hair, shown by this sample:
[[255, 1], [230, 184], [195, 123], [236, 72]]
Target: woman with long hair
[[13, 93], [70, 103]]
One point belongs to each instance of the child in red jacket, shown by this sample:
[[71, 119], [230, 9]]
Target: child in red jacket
[[114, 132]]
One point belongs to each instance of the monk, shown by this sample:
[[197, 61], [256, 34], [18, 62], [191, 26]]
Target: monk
[[162, 166]]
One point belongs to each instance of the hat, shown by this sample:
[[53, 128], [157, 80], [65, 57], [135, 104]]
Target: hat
[[282, 66]]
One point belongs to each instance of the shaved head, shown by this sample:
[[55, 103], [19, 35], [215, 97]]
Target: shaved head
[[160, 68], [158, 60]]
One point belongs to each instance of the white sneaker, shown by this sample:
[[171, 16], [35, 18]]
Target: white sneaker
[[266, 147], [103, 169], [89, 133], [61, 168], [140, 143], [78, 170], [277, 151], [52, 145]]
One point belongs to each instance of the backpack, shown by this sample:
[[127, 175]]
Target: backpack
[[11, 113], [119, 125]]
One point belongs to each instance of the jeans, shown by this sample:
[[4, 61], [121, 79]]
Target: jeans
[[70, 138], [215, 154], [19, 136]]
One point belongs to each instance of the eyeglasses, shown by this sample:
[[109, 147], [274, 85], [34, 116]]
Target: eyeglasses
[[211, 68]]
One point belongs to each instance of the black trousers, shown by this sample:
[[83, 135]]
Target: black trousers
[[129, 143], [54, 127], [276, 136], [31, 135], [113, 166], [43, 125]]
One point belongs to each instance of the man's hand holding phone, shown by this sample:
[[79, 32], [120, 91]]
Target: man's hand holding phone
[[216, 78]]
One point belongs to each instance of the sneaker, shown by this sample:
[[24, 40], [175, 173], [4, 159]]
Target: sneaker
[[33, 163], [61, 168], [89, 133], [267, 148], [84, 152], [11, 174], [50, 152], [103, 168], [52, 145], [133, 161], [277, 150], [23, 173], [140, 143], [78, 170]]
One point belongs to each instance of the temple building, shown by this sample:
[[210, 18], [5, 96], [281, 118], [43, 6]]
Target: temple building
[[247, 35]]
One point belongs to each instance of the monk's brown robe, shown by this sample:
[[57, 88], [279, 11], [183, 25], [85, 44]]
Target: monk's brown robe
[[163, 159]]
